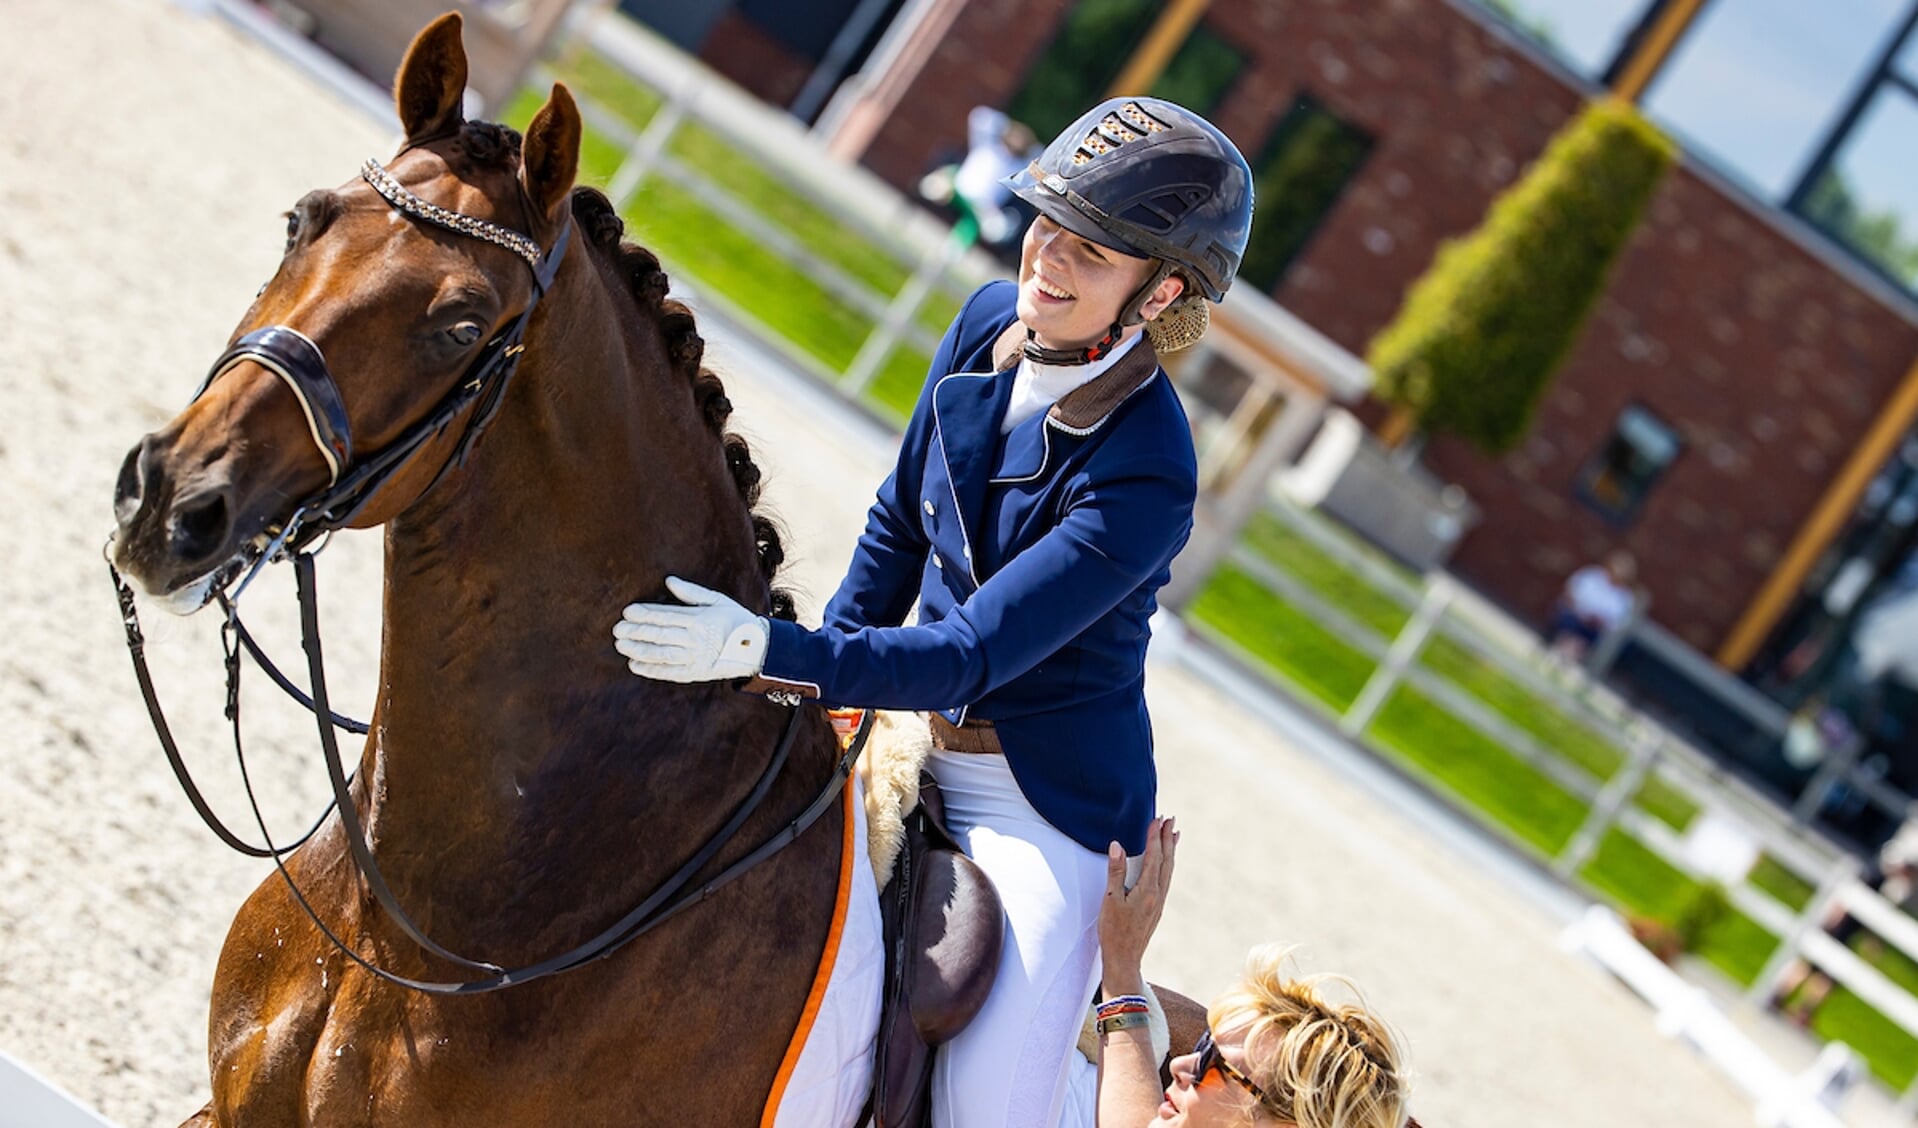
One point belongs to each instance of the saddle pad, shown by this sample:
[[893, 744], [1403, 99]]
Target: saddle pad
[[828, 1068]]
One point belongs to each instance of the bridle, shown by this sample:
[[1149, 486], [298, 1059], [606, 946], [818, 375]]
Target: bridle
[[297, 361], [294, 358]]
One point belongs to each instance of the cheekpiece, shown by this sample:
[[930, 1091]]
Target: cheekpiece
[[400, 197]]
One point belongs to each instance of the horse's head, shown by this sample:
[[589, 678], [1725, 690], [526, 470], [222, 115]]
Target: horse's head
[[398, 291]]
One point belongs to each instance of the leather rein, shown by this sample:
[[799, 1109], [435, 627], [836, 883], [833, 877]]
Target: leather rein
[[298, 362]]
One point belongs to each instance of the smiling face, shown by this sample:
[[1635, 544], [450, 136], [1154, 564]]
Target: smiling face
[[1215, 1100], [1071, 289]]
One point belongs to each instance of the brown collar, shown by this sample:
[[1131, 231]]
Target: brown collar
[[1087, 405]]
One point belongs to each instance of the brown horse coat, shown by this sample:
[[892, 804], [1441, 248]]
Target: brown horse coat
[[521, 790]]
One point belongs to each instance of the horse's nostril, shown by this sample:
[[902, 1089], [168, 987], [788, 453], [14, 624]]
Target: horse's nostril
[[128, 492], [199, 527]]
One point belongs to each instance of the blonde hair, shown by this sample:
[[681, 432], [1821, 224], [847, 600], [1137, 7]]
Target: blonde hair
[[1321, 1064]]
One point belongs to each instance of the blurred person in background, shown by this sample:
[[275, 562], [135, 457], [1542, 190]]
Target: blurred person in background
[[1597, 600], [997, 149], [1044, 484]]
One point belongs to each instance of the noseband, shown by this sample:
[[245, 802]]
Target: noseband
[[293, 357]]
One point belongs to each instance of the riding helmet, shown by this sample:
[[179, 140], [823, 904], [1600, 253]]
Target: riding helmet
[[1148, 178]]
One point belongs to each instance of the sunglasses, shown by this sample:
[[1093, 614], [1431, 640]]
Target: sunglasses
[[1210, 1058]]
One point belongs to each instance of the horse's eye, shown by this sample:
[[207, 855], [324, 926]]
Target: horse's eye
[[292, 229], [465, 333]]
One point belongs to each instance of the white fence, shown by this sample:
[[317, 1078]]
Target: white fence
[[1439, 606]]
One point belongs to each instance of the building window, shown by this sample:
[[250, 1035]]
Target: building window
[[1198, 76], [1632, 460], [1094, 44], [1296, 181], [1859, 189], [1586, 35], [1072, 76]]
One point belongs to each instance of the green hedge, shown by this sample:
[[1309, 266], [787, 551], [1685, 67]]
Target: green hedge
[[1481, 333]]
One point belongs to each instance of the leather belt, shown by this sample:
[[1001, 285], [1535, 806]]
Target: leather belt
[[973, 736]]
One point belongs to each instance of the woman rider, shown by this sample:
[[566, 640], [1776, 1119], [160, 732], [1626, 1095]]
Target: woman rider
[[1043, 486]]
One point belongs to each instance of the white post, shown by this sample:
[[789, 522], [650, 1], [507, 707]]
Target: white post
[[879, 343], [651, 143], [1405, 650], [1812, 917], [1612, 798], [1835, 766]]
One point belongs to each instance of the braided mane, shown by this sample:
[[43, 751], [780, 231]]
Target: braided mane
[[602, 228]]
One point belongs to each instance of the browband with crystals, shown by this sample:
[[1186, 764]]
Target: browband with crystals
[[397, 194]]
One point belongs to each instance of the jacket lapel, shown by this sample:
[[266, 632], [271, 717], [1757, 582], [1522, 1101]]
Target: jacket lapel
[[968, 407]]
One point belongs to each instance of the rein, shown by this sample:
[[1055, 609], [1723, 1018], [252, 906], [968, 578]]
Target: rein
[[298, 362]]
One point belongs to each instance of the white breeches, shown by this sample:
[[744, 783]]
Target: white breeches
[[1008, 1068]]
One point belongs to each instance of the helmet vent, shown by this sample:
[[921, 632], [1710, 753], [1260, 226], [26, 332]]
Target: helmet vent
[[1128, 123], [1163, 212]]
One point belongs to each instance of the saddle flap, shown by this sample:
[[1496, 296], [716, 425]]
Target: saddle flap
[[944, 928], [961, 930]]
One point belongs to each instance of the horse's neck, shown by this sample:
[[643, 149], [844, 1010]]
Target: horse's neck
[[509, 726]]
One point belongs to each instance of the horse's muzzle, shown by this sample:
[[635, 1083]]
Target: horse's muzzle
[[171, 530]]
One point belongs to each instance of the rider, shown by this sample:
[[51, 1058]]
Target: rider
[[1043, 486]]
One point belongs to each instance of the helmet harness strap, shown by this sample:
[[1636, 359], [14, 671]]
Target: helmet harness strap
[[1128, 316]]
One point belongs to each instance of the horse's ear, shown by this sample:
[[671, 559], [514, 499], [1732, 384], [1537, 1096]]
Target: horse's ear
[[551, 153], [431, 85]]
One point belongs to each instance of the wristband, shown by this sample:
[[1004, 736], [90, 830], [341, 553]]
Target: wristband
[[1125, 1021]]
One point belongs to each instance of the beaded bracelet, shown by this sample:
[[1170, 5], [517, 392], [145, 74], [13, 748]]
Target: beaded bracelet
[[1125, 1021]]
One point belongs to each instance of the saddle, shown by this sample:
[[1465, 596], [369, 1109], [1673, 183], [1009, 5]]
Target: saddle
[[942, 923]]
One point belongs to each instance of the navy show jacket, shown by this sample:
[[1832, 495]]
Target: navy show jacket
[[1036, 559]]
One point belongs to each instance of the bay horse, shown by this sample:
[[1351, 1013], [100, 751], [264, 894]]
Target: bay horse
[[520, 789]]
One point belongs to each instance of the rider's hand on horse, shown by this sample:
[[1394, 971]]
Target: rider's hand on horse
[[711, 638]]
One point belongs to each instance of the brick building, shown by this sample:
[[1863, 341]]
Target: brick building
[[1712, 409], [791, 53]]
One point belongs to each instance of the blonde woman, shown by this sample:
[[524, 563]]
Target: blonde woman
[[1278, 1050]]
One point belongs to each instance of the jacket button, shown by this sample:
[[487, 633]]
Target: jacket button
[[936, 562], [930, 511]]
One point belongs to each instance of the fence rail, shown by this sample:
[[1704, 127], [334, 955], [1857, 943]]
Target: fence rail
[[1438, 608]]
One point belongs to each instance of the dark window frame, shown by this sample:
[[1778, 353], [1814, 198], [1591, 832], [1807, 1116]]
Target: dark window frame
[[1296, 118], [1596, 464]]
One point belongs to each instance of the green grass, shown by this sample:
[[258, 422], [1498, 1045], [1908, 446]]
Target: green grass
[[1888, 1048], [1504, 788], [1355, 596], [1328, 577], [748, 181], [1644, 884], [1302, 652], [1666, 803], [760, 189], [1509, 791], [895, 388], [698, 240], [591, 75], [1784, 886]]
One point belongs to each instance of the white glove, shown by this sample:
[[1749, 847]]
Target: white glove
[[712, 638]]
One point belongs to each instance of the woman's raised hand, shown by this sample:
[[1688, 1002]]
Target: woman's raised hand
[[1129, 916]]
